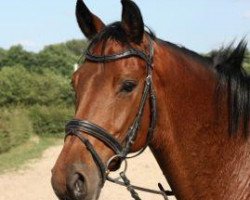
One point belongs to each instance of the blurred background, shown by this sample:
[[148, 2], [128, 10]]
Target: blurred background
[[40, 44]]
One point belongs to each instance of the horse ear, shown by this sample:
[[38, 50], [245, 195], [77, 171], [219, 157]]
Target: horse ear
[[87, 21], [132, 21]]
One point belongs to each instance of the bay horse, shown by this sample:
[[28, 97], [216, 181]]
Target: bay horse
[[134, 90]]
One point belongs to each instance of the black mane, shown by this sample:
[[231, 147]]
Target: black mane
[[113, 31], [227, 63]]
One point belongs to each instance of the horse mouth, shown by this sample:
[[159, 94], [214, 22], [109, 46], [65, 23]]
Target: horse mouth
[[73, 198]]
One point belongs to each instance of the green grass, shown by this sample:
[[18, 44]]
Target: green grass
[[19, 156]]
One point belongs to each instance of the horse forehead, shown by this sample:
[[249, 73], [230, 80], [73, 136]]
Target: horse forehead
[[107, 70], [132, 66], [108, 47], [112, 47]]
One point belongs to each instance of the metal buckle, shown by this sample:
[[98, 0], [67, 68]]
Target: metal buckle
[[122, 161]]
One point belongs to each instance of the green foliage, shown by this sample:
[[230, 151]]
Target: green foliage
[[39, 82], [16, 55], [76, 46], [15, 128], [50, 119], [2, 54], [59, 58], [19, 86]]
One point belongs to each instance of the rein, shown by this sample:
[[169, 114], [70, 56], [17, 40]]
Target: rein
[[76, 127]]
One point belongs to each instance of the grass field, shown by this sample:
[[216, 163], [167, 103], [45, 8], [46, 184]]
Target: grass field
[[19, 156]]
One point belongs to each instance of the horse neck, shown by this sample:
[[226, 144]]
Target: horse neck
[[191, 143]]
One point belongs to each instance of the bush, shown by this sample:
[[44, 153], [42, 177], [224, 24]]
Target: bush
[[59, 58], [16, 55], [20, 86], [50, 120], [15, 128]]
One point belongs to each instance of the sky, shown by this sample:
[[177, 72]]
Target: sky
[[200, 25]]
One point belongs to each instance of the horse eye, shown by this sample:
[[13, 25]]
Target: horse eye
[[128, 86]]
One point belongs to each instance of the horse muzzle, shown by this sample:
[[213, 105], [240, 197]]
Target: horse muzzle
[[76, 185]]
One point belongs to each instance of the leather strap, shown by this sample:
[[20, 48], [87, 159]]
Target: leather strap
[[132, 132], [94, 154], [95, 131], [110, 58]]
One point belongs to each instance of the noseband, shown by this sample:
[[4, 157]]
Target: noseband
[[78, 127]]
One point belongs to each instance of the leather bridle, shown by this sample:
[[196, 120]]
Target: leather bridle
[[78, 127]]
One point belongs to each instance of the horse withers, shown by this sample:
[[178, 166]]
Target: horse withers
[[134, 90]]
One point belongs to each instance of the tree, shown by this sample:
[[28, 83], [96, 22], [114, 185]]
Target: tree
[[20, 86], [59, 58], [16, 55], [77, 47], [2, 54]]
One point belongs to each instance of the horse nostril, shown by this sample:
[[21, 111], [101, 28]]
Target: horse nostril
[[79, 186]]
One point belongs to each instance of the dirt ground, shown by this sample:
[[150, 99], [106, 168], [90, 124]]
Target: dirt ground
[[33, 183]]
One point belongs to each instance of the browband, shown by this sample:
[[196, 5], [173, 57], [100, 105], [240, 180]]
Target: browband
[[109, 58]]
